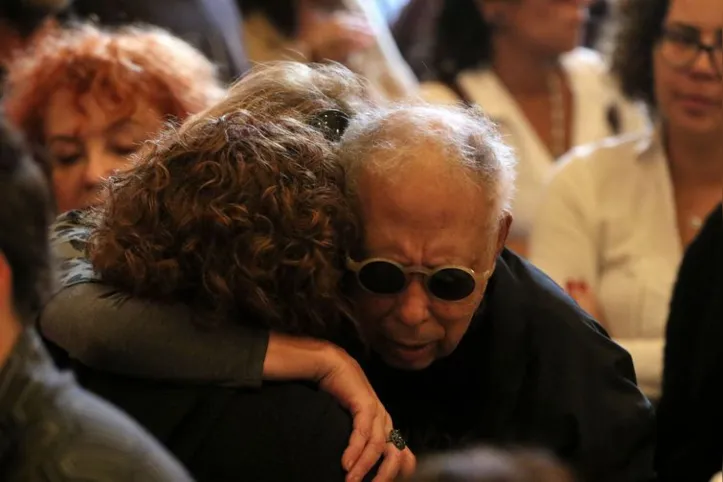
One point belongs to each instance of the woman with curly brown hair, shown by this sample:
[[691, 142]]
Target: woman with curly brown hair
[[618, 216], [88, 97], [239, 214]]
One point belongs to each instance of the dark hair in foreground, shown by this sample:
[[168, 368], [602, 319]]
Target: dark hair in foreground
[[25, 214], [641, 25], [491, 465]]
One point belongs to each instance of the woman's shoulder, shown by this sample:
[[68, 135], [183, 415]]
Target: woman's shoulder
[[584, 61], [610, 154], [590, 73], [602, 167]]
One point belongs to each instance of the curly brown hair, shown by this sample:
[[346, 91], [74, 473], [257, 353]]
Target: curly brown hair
[[241, 211], [640, 28]]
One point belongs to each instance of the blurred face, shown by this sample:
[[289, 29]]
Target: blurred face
[[87, 144], [550, 27], [687, 83], [422, 223]]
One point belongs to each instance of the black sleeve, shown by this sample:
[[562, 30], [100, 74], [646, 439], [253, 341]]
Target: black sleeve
[[107, 330], [690, 423], [587, 396], [591, 385]]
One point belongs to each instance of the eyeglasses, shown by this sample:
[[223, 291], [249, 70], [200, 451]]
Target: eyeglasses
[[386, 277], [680, 46]]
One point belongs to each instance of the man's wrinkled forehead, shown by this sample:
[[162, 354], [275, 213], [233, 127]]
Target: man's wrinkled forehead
[[421, 188]]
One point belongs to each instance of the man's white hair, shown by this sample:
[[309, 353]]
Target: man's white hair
[[393, 141]]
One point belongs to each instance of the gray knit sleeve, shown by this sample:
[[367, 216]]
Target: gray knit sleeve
[[109, 330]]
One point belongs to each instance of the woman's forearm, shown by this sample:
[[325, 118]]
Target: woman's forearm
[[110, 331], [107, 330], [296, 358]]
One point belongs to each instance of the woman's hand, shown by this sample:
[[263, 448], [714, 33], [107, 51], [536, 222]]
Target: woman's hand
[[337, 373], [345, 380], [334, 36]]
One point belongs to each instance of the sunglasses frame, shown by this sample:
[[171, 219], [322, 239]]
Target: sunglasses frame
[[427, 273]]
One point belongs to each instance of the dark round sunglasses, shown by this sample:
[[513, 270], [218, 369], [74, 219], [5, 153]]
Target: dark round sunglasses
[[381, 276]]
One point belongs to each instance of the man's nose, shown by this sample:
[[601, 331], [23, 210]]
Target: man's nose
[[413, 303]]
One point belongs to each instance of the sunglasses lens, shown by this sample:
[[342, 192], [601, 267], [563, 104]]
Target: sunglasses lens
[[382, 278], [451, 284]]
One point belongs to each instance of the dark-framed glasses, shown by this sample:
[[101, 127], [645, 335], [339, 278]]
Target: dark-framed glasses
[[680, 46], [382, 276]]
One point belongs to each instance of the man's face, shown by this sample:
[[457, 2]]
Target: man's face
[[428, 218]]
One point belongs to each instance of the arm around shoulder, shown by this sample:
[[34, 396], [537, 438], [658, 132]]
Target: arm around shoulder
[[108, 330]]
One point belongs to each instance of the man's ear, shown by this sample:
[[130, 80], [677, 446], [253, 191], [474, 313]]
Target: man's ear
[[6, 283], [503, 233]]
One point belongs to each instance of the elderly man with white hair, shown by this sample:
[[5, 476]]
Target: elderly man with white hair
[[463, 341], [469, 342]]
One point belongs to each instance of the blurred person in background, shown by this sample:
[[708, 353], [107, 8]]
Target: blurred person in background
[[520, 62], [51, 428], [87, 99], [618, 216], [23, 21], [690, 419], [491, 465], [351, 32], [212, 26]]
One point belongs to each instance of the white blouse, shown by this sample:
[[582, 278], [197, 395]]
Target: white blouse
[[595, 96], [608, 218]]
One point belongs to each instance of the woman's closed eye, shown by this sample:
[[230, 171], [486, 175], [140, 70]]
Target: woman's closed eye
[[125, 150], [66, 160]]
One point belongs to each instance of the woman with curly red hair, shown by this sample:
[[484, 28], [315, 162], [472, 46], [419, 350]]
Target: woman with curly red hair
[[89, 97]]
